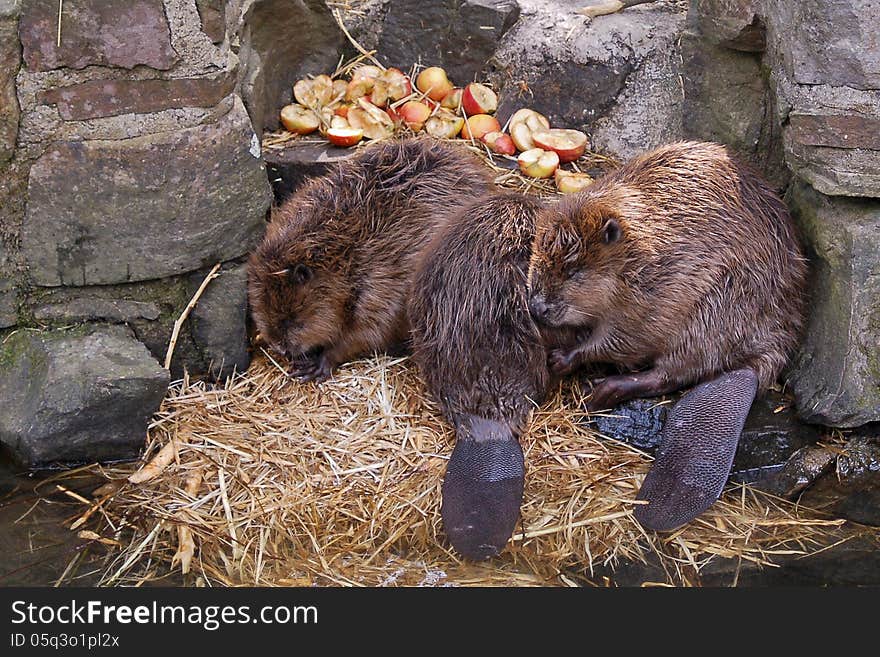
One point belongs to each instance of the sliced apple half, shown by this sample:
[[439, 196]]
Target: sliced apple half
[[345, 136], [299, 119], [569, 145]]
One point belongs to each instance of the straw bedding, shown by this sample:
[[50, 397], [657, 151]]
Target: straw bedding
[[272, 482]]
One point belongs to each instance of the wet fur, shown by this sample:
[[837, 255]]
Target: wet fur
[[706, 275], [355, 235]]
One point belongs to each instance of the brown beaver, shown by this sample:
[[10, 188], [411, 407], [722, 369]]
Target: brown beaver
[[330, 280], [483, 359], [683, 264]]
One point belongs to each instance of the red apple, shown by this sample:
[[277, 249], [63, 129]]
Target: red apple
[[499, 142], [444, 125], [342, 109], [414, 114], [452, 100], [538, 163], [345, 136], [568, 144], [478, 125], [299, 119], [478, 99], [569, 182], [522, 124], [434, 83]]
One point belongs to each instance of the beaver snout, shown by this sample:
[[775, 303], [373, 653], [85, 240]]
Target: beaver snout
[[538, 308]]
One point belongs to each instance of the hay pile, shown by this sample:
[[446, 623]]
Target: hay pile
[[272, 482]]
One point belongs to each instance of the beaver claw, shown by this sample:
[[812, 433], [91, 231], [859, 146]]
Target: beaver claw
[[316, 369], [697, 449], [562, 361], [482, 491]]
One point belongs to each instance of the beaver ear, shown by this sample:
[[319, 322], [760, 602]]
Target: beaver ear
[[611, 231], [298, 274]]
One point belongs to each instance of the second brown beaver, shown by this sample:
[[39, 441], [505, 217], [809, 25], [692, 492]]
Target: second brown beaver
[[484, 360], [681, 266], [330, 280]]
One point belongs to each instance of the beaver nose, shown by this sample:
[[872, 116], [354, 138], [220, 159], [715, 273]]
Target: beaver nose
[[538, 307]]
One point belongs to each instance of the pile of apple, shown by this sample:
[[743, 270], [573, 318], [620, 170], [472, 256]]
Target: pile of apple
[[374, 103]]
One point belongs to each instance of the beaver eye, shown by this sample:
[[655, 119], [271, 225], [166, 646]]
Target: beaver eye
[[298, 274], [611, 231]]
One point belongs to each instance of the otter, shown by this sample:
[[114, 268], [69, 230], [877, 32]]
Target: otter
[[484, 360], [330, 280], [682, 267]]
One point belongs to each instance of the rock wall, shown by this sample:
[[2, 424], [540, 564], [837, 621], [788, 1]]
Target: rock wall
[[129, 166], [795, 87]]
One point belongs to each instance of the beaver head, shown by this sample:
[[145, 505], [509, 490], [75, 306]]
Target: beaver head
[[580, 256], [298, 292]]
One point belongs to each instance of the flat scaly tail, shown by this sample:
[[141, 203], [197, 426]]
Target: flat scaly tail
[[483, 487], [696, 451]]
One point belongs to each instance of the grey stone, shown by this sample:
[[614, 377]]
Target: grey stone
[[852, 490], [833, 43], [734, 24], [8, 304], [100, 98], [616, 77], [77, 396], [724, 95], [10, 60], [289, 168], [836, 376], [835, 171], [219, 322], [461, 36], [95, 32], [95, 308], [130, 210], [281, 42], [213, 16]]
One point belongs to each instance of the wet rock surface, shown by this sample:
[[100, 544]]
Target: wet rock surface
[[73, 396], [771, 435], [114, 212], [290, 167]]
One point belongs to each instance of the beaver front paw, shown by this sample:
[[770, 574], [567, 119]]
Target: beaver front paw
[[316, 367], [562, 361]]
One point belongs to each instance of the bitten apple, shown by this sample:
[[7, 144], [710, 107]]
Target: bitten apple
[[478, 99], [299, 119], [444, 125], [314, 93], [569, 145], [478, 125], [434, 83], [397, 82], [452, 100], [499, 142], [569, 182], [538, 163], [522, 124]]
